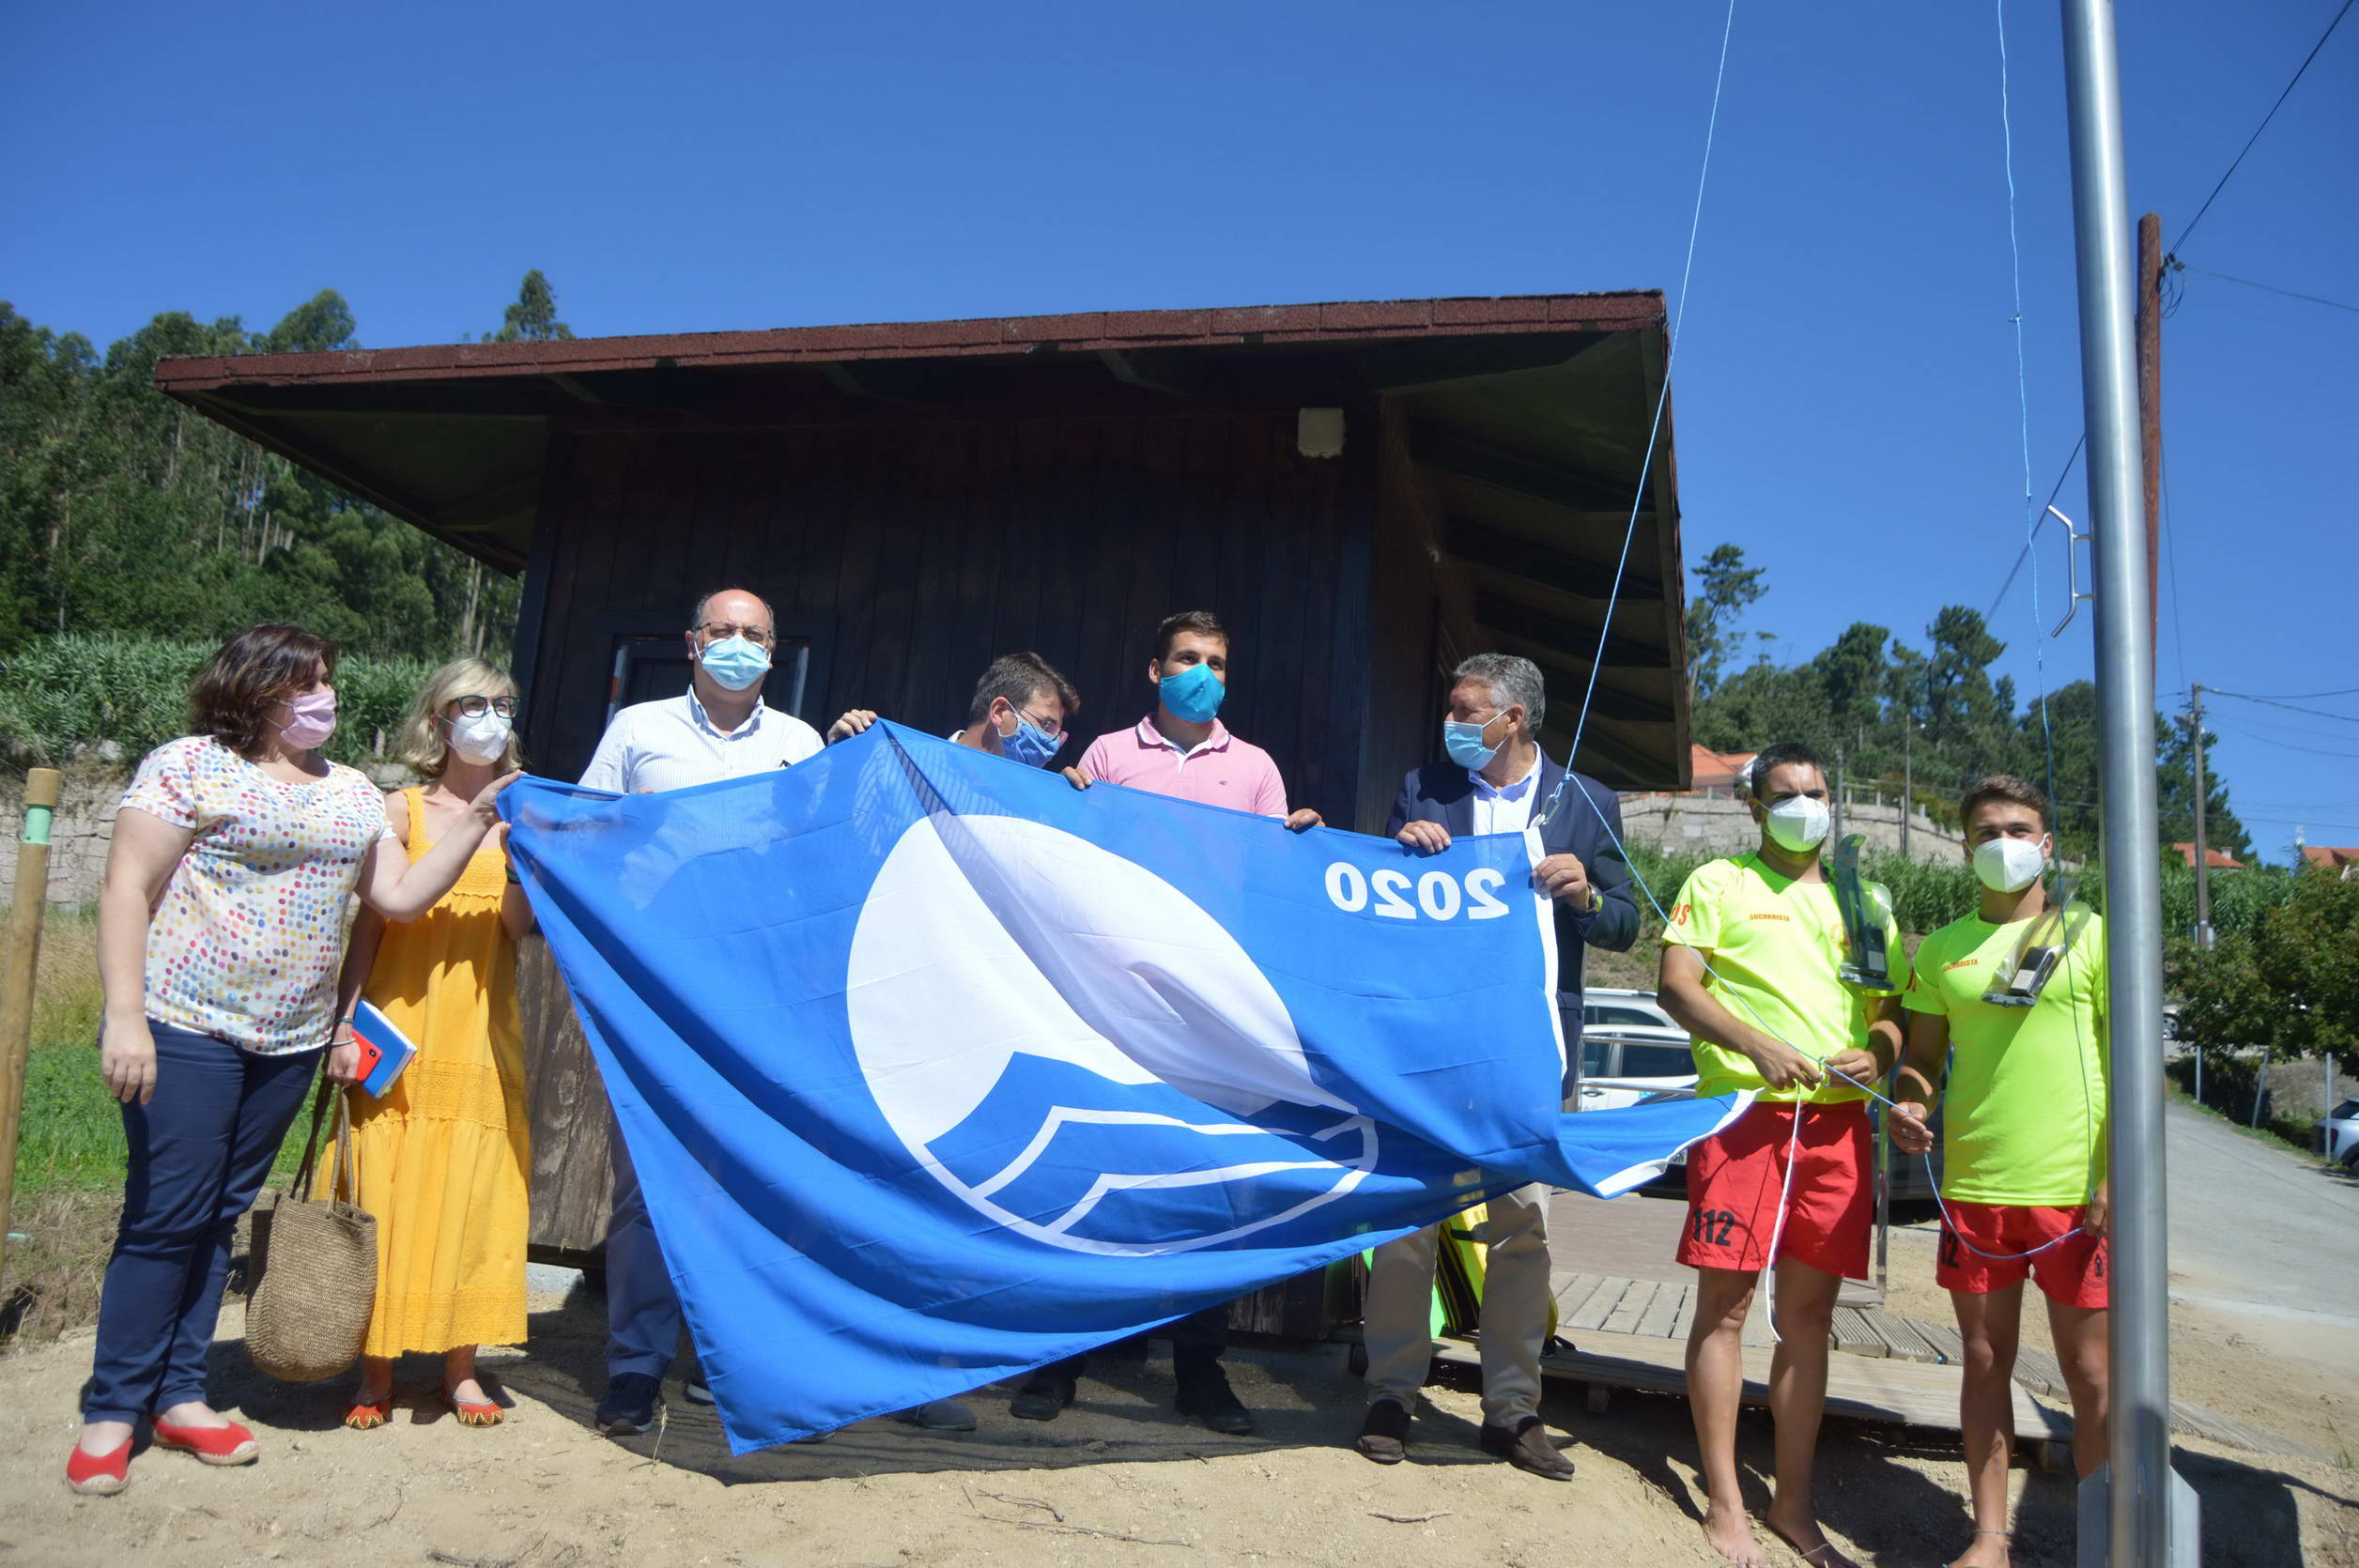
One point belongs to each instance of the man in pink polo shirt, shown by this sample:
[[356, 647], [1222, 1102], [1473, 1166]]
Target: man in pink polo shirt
[[1182, 749]]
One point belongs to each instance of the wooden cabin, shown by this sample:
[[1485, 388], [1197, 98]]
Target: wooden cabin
[[1363, 492]]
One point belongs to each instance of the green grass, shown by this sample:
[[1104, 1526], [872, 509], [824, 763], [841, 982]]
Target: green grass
[[2272, 1131], [70, 1139], [72, 1134]]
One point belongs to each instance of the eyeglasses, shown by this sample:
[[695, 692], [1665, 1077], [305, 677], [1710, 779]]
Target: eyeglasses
[[476, 707], [718, 631], [1049, 727]]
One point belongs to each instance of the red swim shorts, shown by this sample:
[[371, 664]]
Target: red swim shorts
[[1736, 1177], [2072, 1272]]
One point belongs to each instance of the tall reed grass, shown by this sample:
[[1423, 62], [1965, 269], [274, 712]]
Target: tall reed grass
[[106, 696]]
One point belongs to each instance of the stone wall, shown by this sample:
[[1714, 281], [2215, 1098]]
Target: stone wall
[[79, 835], [1721, 825]]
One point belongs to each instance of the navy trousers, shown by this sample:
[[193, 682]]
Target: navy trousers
[[1197, 1342], [200, 1149], [644, 1316]]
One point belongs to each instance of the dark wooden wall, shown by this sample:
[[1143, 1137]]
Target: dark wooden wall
[[911, 552]]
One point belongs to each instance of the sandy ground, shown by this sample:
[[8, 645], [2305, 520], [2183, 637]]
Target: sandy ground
[[2262, 1333], [1117, 1481]]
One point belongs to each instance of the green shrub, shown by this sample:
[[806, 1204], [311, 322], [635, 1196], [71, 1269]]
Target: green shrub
[[67, 697]]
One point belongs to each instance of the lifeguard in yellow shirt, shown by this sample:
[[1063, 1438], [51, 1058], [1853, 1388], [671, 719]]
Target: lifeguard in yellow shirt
[[2023, 1132], [1752, 968]]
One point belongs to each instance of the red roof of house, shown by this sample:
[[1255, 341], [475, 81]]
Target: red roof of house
[[1083, 331], [2331, 856], [2213, 859], [1720, 769]]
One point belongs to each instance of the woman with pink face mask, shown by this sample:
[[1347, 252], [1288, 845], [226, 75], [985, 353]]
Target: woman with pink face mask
[[221, 936]]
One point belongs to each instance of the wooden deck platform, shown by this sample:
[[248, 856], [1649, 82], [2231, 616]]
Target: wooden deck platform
[[1878, 1388], [1632, 1332]]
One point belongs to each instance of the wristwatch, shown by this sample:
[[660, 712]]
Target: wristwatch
[[1597, 901]]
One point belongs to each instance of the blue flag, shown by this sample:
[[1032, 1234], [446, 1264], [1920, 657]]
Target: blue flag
[[935, 1069]]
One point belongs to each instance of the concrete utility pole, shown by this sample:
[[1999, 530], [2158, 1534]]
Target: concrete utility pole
[[1908, 778], [2135, 1513], [2203, 857], [1834, 834], [2149, 355]]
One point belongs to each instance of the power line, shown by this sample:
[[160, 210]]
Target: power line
[[2170, 261], [2300, 728], [2288, 707], [2293, 696], [2269, 289], [2271, 740], [2258, 129]]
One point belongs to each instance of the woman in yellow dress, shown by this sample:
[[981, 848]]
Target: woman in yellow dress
[[444, 1159]]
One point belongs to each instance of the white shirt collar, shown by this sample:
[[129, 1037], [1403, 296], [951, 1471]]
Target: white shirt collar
[[1486, 789], [704, 720]]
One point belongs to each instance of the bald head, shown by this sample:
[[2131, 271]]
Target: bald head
[[733, 606]]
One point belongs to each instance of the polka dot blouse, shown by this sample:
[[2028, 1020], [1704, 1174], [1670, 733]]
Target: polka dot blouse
[[249, 935]]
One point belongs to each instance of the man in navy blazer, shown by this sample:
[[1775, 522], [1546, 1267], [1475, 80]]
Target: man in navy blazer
[[1497, 779]]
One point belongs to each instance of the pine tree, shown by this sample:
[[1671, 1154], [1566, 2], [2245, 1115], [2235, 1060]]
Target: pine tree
[[533, 316]]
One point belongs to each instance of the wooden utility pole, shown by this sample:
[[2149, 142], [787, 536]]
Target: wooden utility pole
[[2203, 859], [2150, 368], [31, 900]]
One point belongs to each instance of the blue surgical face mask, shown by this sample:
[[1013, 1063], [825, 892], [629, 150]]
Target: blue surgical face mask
[[735, 662], [1030, 744], [1194, 693], [1463, 740]]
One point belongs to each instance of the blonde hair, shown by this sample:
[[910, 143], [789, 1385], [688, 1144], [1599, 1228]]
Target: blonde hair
[[425, 751]]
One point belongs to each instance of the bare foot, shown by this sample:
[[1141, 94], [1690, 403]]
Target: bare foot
[[1727, 1531], [1807, 1540], [1989, 1550]]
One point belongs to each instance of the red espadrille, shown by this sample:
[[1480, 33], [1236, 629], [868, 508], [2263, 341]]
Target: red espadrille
[[98, 1475], [215, 1445]]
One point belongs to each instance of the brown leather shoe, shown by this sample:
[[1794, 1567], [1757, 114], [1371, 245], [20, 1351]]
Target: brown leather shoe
[[1526, 1446], [1384, 1434]]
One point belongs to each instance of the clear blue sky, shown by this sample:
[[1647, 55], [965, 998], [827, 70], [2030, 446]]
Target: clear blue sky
[[1844, 393]]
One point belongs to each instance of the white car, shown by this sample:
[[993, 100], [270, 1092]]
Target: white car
[[1629, 1049], [1614, 1005], [2339, 1134]]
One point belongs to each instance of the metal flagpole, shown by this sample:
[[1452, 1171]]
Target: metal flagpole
[[2131, 1503]]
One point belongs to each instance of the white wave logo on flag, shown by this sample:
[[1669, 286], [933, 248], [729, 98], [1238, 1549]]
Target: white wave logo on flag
[[1079, 1052]]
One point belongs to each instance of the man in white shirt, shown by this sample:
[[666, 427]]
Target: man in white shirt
[[718, 729], [1496, 780]]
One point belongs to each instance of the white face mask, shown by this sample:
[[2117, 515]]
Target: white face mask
[[2008, 865], [482, 738], [1797, 825]]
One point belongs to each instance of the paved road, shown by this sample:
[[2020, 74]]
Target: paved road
[[2258, 1233]]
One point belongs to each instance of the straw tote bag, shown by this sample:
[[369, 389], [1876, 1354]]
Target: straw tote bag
[[313, 1266]]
